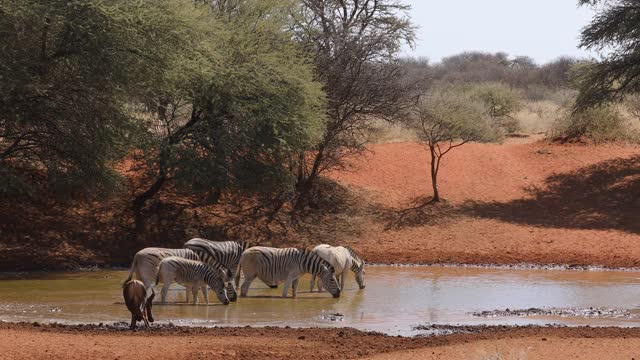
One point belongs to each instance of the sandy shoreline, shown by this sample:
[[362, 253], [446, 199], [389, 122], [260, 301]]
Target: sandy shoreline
[[29, 341]]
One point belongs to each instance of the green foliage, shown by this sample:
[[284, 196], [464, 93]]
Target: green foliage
[[215, 96], [616, 28], [500, 103], [69, 71], [446, 119], [240, 124], [355, 58], [598, 124], [451, 117]]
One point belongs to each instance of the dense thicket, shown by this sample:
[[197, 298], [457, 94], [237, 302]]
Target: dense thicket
[[477, 67], [69, 71], [239, 123], [213, 97]]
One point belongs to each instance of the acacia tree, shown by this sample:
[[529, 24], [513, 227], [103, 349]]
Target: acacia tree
[[354, 45], [236, 120], [616, 28], [69, 71], [445, 120], [500, 103]]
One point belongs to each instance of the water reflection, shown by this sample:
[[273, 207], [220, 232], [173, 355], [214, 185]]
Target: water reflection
[[396, 298]]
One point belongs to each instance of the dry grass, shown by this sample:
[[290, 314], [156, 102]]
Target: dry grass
[[391, 133], [537, 116]]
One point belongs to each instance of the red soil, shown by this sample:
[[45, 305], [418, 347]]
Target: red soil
[[535, 202], [20, 341]]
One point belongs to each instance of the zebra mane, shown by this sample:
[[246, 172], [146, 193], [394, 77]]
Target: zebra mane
[[358, 263]]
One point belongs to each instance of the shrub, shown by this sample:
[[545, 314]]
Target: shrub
[[501, 103], [600, 124]]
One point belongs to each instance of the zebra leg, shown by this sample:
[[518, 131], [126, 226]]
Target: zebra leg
[[313, 282], [285, 288], [342, 276], [163, 293], [144, 316], [205, 293], [194, 292], [320, 288], [245, 285], [295, 287], [188, 291]]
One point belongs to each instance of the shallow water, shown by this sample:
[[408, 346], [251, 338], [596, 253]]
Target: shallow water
[[396, 299]]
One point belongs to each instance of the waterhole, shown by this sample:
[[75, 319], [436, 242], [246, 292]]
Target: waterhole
[[396, 300]]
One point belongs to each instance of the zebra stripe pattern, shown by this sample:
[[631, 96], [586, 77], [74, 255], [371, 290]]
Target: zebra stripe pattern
[[193, 273], [145, 262], [227, 253], [357, 266], [273, 265]]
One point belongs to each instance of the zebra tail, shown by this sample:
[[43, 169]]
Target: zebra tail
[[131, 270]]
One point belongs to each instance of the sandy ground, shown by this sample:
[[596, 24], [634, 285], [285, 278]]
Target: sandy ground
[[20, 341], [528, 348], [511, 203]]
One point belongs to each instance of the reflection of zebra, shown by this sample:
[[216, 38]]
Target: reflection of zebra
[[145, 264], [342, 259], [191, 273], [357, 266], [273, 265]]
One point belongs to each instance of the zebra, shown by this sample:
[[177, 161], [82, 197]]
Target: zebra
[[342, 261], [193, 273], [226, 252], [357, 266], [273, 265], [145, 265]]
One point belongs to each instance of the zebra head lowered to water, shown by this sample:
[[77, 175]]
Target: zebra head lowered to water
[[191, 273], [146, 261], [273, 265], [145, 264], [357, 266], [342, 259]]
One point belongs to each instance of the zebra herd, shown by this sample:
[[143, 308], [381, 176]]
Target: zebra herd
[[218, 264]]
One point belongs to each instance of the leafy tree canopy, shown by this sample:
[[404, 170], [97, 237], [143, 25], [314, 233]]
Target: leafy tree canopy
[[69, 73], [615, 29]]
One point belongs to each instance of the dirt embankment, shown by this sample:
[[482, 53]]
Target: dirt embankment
[[506, 204], [23, 341]]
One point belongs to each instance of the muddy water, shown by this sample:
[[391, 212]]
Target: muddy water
[[395, 300]]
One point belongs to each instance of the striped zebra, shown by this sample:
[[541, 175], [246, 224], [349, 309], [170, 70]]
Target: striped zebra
[[342, 261], [145, 265], [273, 265], [192, 273], [357, 266], [226, 253]]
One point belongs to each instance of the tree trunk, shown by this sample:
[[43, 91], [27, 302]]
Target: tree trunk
[[304, 189], [435, 164], [140, 201]]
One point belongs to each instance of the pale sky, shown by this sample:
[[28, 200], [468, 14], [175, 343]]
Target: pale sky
[[541, 29]]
